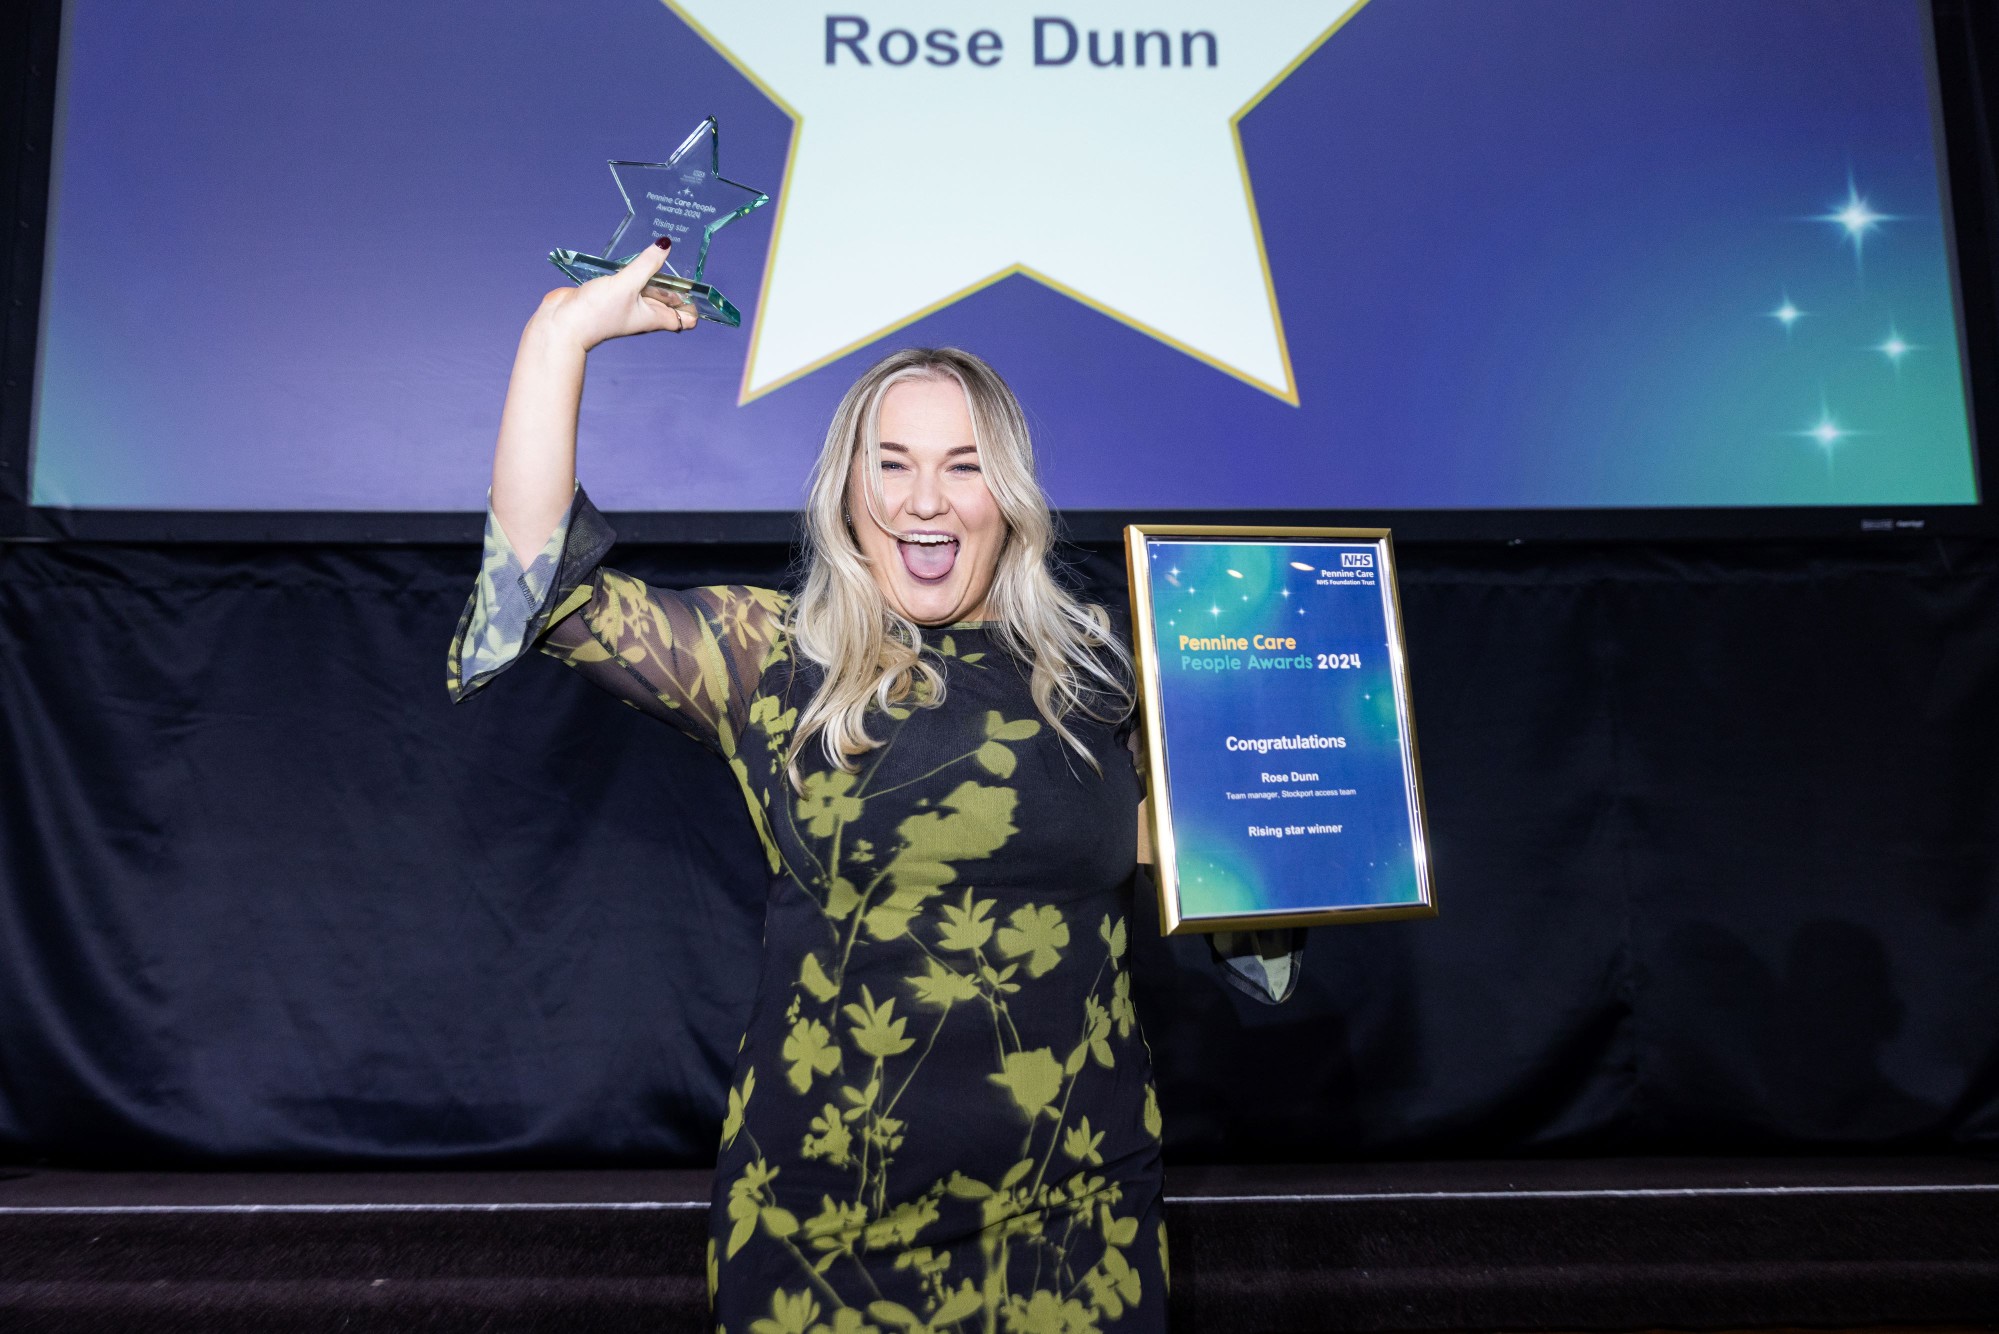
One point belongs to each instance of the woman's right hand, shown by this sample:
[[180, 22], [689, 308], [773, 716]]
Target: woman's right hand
[[617, 305]]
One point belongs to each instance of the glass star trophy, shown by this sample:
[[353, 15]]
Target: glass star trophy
[[685, 197]]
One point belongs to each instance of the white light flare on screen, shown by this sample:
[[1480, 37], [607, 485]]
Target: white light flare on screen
[[1856, 218], [1895, 347], [1827, 434]]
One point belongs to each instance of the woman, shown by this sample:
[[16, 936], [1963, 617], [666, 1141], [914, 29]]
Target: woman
[[942, 1116]]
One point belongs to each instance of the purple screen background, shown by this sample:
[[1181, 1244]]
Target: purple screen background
[[1526, 254]]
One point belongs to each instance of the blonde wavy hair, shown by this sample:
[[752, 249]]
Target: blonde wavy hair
[[872, 655]]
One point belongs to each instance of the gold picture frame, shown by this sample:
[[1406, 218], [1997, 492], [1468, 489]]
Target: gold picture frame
[[1176, 699]]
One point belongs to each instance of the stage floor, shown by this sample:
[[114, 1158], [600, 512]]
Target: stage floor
[[1573, 1244]]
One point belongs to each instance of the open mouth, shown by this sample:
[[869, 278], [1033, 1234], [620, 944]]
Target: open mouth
[[928, 557]]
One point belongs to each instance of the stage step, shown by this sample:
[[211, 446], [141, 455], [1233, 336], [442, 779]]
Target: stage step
[[1575, 1245]]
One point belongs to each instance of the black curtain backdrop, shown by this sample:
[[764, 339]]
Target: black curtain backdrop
[[1714, 850]]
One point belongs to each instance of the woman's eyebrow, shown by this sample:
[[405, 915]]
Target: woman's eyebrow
[[950, 453]]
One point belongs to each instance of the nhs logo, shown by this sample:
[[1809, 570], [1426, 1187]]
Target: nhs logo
[[1356, 560]]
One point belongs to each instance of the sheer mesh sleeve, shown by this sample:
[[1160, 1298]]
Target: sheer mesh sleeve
[[513, 601], [691, 658]]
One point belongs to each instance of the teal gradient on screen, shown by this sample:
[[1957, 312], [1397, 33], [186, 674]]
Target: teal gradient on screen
[[1228, 862], [1527, 255]]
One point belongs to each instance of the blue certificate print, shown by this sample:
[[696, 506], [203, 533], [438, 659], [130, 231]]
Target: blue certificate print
[[1284, 779]]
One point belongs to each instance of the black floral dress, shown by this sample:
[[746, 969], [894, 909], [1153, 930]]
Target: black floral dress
[[942, 1117]]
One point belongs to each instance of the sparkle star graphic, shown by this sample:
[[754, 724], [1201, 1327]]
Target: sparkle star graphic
[[1895, 347], [1826, 433], [922, 177], [1856, 218]]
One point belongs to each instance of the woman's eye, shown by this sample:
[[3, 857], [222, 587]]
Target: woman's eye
[[889, 465], [964, 467]]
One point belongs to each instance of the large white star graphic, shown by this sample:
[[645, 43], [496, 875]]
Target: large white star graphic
[[948, 162]]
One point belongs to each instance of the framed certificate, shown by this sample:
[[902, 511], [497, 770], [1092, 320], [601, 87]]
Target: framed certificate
[[1282, 774]]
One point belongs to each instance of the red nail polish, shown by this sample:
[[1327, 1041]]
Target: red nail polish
[[664, 242]]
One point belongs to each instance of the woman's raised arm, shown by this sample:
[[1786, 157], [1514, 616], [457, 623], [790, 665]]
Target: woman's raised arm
[[691, 658], [534, 464]]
